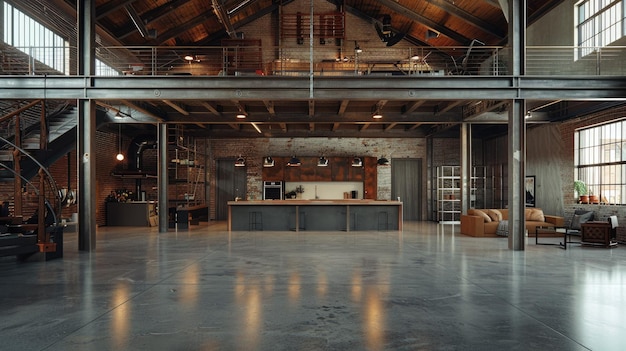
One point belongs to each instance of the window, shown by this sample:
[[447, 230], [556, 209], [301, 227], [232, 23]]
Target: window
[[600, 160], [599, 23], [35, 40]]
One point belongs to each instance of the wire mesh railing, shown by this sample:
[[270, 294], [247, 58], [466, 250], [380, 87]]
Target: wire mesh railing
[[327, 60]]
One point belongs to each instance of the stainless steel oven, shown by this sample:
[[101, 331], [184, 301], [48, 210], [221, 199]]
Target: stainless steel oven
[[272, 190]]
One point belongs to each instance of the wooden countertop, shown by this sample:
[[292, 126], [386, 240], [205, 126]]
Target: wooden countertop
[[296, 202]]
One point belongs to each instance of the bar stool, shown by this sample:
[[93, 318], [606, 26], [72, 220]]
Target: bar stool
[[255, 221], [383, 220]]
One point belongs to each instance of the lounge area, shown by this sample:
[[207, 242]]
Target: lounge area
[[494, 222]]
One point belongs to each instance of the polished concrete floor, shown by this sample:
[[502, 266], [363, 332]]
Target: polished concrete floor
[[427, 288]]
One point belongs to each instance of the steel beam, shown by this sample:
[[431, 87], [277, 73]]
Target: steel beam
[[399, 88]]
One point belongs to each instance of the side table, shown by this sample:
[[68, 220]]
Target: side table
[[597, 233]]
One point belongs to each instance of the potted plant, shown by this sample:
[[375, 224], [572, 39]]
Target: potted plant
[[299, 191], [581, 189]]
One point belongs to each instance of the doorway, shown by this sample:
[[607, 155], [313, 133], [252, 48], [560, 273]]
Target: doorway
[[406, 183], [231, 183]]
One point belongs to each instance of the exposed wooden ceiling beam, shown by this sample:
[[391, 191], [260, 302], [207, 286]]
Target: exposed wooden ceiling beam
[[142, 110], [468, 18], [111, 6], [269, 105], [390, 126], [342, 107], [176, 107], [415, 126], [410, 108], [447, 107], [364, 127], [283, 127], [178, 30], [211, 108], [335, 126], [394, 6]]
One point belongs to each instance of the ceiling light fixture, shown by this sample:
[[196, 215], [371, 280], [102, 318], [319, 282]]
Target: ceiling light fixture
[[240, 162], [120, 155], [322, 162], [383, 161], [528, 115], [189, 58], [357, 48], [268, 162], [241, 115], [294, 162]]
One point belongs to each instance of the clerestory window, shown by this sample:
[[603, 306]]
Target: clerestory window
[[599, 23]]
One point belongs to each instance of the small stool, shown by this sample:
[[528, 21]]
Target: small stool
[[383, 220], [255, 221]]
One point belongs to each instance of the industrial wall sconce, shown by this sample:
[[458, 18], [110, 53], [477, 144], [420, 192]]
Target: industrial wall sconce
[[322, 162], [357, 162], [268, 162], [240, 162], [383, 161], [294, 162]]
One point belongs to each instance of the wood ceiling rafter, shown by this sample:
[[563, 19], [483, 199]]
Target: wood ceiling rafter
[[412, 107], [178, 30], [342, 107], [443, 108], [390, 127], [396, 7], [110, 7], [142, 110], [468, 18], [213, 109], [176, 107], [269, 105], [150, 16]]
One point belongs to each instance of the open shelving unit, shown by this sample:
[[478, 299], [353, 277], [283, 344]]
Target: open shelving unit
[[449, 192], [186, 170]]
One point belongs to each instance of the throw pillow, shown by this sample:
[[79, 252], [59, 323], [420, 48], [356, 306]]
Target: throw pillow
[[495, 215], [581, 218], [536, 215], [483, 215]]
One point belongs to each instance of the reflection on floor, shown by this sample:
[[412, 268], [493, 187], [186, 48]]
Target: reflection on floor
[[427, 288]]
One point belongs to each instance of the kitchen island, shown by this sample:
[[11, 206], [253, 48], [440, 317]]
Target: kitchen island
[[314, 215]]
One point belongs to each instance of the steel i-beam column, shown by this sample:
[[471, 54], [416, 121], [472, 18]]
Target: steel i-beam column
[[517, 128], [466, 166], [162, 171], [86, 130]]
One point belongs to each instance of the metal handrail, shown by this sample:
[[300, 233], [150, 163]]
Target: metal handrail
[[331, 60]]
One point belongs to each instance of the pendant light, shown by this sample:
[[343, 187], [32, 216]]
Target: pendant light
[[120, 155]]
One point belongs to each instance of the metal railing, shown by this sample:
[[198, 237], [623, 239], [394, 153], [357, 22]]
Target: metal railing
[[331, 60]]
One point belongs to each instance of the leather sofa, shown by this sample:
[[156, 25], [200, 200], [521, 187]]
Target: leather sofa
[[484, 222]]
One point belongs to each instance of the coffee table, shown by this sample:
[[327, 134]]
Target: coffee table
[[553, 229]]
